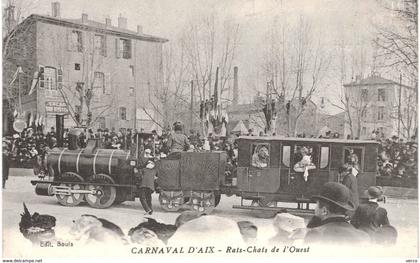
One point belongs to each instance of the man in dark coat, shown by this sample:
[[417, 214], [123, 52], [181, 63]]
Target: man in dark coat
[[350, 181], [373, 219], [332, 227], [5, 161]]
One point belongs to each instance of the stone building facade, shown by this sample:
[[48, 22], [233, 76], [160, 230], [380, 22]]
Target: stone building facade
[[63, 58], [374, 103]]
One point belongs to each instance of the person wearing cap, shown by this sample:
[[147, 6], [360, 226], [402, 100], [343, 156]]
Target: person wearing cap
[[332, 204], [146, 168], [369, 216], [350, 181], [177, 141]]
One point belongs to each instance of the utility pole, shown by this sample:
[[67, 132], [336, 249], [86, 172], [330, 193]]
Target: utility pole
[[399, 107], [192, 105]]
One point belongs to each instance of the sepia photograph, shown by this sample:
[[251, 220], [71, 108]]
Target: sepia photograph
[[238, 129]]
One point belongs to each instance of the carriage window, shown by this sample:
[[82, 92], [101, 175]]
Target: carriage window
[[353, 157], [304, 158], [286, 156], [325, 154], [260, 155]]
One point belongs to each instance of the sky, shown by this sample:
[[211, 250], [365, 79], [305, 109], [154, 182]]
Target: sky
[[334, 20]]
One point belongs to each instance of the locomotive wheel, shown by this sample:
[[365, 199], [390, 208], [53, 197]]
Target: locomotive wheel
[[171, 201], [104, 196], [203, 202], [72, 199]]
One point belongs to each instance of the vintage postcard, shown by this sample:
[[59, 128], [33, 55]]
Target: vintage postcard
[[241, 129]]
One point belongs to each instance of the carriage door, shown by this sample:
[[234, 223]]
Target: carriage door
[[323, 173], [286, 178], [262, 176]]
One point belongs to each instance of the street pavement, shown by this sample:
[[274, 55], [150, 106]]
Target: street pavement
[[403, 214]]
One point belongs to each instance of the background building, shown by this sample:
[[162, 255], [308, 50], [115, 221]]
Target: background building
[[81, 66], [374, 104]]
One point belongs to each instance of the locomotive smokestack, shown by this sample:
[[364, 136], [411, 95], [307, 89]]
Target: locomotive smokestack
[[235, 86], [59, 123]]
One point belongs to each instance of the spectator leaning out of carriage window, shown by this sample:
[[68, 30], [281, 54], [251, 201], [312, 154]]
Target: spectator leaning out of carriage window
[[305, 164], [373, 219], [353, 161], [260, 156], [332, 227], [177, 141]]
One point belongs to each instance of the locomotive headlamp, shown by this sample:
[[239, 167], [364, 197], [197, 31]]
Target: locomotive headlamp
[[133, 163]]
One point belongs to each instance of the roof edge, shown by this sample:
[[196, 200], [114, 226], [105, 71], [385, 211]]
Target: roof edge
[[54, 20]]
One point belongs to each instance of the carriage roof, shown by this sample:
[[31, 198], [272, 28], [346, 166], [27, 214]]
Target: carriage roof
[[311, 140]]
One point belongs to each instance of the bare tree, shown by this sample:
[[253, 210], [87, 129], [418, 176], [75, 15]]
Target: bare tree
[[296, 65], [398, 42]]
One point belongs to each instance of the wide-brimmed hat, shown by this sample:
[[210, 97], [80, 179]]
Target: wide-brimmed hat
[[336, 194], [374, 192]]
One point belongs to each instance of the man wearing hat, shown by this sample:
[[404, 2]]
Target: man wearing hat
[[369, 216], [332, 204]]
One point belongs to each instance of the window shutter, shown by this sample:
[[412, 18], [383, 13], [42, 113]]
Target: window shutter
[[105, 46], [117, 48], [60, 78], [69, 40], [41, 76], [108, 83]]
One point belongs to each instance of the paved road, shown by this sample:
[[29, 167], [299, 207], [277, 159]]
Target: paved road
[[403, 214]]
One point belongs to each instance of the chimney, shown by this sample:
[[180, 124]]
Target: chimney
[[108, 21], [84, 18], [122, 22], [139, 29], [55, 9], [235, 86]]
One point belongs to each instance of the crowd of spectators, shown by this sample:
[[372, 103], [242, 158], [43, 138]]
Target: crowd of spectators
[[397, 158]]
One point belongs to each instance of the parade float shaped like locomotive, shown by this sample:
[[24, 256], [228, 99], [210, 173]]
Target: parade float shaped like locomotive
[[268, 173]]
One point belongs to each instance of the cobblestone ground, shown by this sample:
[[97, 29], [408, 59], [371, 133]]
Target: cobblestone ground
[[403, 214]]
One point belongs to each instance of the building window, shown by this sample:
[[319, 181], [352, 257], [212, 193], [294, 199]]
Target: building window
[[102, 122], [76, 66], [76, 43], [365, 94], [50, 78], [99, 83], [381, 111], [123, 113], [123, 48], [132, 70], [100, 46], [381, 94]]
